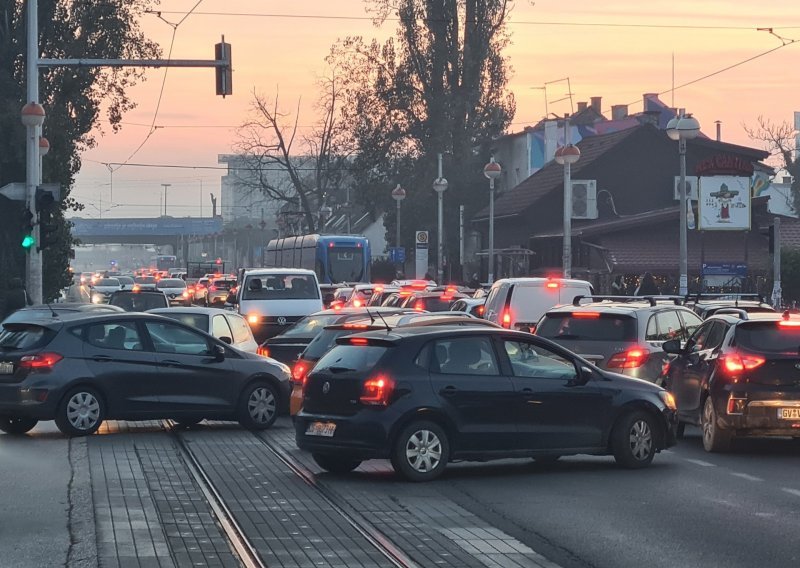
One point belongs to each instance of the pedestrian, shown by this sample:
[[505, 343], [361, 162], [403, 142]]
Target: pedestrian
[[17, 297], [618, 286], [474, 283], [647, 286]]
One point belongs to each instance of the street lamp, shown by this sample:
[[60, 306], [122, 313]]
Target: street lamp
[[398, 194], [682, 128], [440, 186], [567, 155], [492, 171]]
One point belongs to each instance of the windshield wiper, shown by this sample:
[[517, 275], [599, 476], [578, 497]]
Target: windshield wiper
[[340, 369]]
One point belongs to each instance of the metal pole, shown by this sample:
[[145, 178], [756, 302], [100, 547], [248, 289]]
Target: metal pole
[[683, 283], [397, 228], [34, 275], [566, 260], [776, 263], [491, 231], [440, 243], [461, 241], [165, 186]]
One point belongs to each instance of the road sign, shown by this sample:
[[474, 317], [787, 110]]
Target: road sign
[[397, 255], [421, 254], [14, 191]]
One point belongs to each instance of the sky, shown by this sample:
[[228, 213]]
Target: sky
[[618, 50]]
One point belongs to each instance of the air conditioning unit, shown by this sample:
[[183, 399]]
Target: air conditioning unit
[[584, 199]]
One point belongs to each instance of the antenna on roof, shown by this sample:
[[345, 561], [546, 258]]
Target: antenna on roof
[[372, 320]]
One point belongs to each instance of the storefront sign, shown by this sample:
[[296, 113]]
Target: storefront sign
[[724, 164]]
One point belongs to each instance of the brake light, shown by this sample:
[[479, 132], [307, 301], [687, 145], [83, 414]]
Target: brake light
[[299, 372], [506, 319], [357, 303], [419, 305], [630, 359], [481, 309], [359, 341], [736, 363], [212, 288], [201, 286], [586, 315], [378, 289], [40, 361], [789, 323], [356, 326], [263, 351], [377, 391], [136, 288], [551, 285]]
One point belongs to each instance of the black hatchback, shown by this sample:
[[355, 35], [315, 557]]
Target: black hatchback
[[738, 376], [80, 369], [423, 397]]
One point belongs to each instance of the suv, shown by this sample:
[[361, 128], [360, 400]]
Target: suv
[[706, 305], [422, 397], [738, 376], [619, 333]]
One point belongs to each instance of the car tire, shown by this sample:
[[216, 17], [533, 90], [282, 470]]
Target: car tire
[[680, 430], [258, 406], [715, 439], [421, 451], [17, 426], [633, 440], [336, 464], [81, 412]]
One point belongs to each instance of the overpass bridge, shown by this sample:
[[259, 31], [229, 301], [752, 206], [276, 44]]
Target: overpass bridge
[[174, 231]]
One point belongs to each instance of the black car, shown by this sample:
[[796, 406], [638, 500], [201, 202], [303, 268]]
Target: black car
[[139, 300], [706, 305], [57, 310], [422, 397], [80, 369], [738, 376]]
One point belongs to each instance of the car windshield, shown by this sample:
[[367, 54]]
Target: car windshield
[[107, 282], [769, 336], [171, 283], [280, 287], [310, 326], [350, 358], [14, 337], [592, 326], [346, 264], [198, 321], [138, 302]]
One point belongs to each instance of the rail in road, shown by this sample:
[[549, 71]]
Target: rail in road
[[238, 539]]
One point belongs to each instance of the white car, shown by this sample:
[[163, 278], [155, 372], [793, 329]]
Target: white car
[[472, 306], [227, 326], [103, 288], [176, 291]]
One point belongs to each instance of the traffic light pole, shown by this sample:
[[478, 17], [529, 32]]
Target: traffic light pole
[[33, 276]]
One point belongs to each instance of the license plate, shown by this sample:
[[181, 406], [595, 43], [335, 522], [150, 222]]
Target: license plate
[[6, 368], [789, 413], [325, 429]]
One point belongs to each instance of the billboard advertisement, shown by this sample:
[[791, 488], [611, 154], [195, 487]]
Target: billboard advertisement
[[724, 203]]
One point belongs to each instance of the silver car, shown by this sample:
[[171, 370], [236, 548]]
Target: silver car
[[102, 289], [227, 326], [176, 291]]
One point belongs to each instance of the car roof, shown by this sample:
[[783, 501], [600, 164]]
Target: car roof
[[472, 301], [193, 310], [541, 280], [138, 292], [268, 271], [432, 331], [69, 317]]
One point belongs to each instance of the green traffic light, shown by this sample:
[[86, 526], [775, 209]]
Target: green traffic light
[[28, 241]]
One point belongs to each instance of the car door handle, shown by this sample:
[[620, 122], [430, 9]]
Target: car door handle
[[449, 390], [101, 358], [171, 363]]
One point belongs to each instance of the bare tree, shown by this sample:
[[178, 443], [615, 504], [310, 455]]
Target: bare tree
[[780, 140]]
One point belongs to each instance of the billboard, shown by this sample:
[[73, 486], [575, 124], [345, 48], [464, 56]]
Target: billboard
[[724, 203]]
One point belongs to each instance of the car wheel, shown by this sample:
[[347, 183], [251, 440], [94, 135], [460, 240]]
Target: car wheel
[[421, 451], [187, 422], [633, 440], [258, 407], [13, 425], [81, 412], [680, 430], [715, 439], [336, 464]]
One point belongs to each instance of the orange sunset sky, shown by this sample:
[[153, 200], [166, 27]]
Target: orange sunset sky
[[612, 49]]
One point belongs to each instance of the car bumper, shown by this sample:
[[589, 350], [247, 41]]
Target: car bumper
[[761, 418], [20, 400], [363, 436]]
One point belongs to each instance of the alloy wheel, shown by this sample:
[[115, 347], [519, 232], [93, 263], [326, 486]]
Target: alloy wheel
[[424, 451], [708, 422], [261, 405], [83, 411], [641, 440]]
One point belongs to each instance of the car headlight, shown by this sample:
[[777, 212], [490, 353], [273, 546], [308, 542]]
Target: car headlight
[[97, 299], [668, 399]]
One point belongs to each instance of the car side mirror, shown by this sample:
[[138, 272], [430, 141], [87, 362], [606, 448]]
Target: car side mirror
[[219, 353], [584, 375], [672, 346], [226, 340]]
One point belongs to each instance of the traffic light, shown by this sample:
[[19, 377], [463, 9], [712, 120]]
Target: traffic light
[[27, 230], [224, 73], [45, 205]]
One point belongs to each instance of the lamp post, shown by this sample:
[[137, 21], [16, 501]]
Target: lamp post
[[440, 186], [682, 128], [567, 155], [398, 194], [492, 171], [33, 115]]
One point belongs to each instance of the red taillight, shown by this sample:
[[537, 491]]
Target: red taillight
[[506, 319], [263, 351], [586, 315], [736, 363], [377, 391], [212, 288], [40, 361], [630, 359], [551, 285], [359, 341], [299, 372], [481, 309], [356, 326], [789, 323], [419, 305]]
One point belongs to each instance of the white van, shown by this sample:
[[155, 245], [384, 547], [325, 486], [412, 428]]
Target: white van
[[519, 303], [274, 298]]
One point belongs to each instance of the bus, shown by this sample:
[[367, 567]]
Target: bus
[[164, 262], [334, 258]]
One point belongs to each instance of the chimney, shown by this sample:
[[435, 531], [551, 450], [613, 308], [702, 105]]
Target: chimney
[[597, 104], [618, 112], [719, 130], [646, 97], [582, 106]]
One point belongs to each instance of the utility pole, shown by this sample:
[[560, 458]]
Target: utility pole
[[165, 186], [34, 266], [776, 263]]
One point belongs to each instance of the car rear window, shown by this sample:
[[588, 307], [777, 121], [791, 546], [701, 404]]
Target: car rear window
[[224, 284], [351, 358], [17, 337], [138, 302], [431, 304], [107, 282], [600, 327], [171, 283], [323, 342], [769, 336], [197, 321]]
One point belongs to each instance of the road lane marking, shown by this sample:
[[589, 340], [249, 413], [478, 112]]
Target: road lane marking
[[795, 492], [746, 476], [702, 463]]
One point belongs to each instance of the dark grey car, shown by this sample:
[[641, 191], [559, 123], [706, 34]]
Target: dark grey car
[[623, 335], [80, 369]]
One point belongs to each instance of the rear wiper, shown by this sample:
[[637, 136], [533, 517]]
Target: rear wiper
[[340, 369]]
